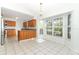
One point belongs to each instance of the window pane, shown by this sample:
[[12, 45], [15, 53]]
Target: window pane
[[58, 23]]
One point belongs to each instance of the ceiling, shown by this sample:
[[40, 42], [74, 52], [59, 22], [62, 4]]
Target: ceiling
[[50, 7], [26, 8], [12, 14]]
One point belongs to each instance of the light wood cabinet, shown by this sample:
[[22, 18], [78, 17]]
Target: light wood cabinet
[[21, 35], [11, 33], [25, 24], [31, 23], [26, 34], [9, 23]]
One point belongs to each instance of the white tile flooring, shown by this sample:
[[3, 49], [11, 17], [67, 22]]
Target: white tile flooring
[[32, 47]]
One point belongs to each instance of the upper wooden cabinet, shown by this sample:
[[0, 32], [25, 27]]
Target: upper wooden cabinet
[[9, 23], [25, 24], [31, 23]]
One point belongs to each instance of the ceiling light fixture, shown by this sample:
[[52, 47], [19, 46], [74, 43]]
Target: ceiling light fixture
[[41, 11], [41, 24]]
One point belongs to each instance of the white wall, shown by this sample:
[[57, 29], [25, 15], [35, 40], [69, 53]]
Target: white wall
[[37, 28], [75, 28], [62, 8], [0, 24]]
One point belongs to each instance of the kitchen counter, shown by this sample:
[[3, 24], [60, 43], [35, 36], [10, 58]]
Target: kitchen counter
[[26, 34], [29, 29]]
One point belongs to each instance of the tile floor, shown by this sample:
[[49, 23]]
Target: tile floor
[[32, 47]]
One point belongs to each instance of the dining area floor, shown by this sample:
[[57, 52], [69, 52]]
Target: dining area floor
[[32, 47]]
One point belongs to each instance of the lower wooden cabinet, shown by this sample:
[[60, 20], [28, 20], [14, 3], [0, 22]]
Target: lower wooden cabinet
[[26, 34], [10, 33]]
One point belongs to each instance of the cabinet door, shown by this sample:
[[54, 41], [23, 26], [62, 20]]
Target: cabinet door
[[29, 24], [13, 23], [11, 33], [34, 33], [25, 24], [30, 34], [20, 35], [10, 23], [26, 34], [33, 23]]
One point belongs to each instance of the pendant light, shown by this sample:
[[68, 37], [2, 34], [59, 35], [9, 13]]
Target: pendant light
[[41, 39]]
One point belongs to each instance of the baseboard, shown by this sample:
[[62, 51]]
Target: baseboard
[[69, 46], [27, 40], [75, 50]]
